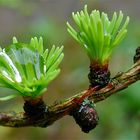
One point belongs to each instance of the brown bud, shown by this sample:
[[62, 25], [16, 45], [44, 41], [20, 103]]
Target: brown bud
[[34, 109], [85, 116], [99, 77], [137, 55]]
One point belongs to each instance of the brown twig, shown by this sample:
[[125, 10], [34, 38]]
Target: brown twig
[[63, 108]]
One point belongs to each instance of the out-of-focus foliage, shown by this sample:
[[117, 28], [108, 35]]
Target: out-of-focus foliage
[[120, 114], [19, 5]]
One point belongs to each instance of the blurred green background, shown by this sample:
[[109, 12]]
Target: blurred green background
[[119, 114]]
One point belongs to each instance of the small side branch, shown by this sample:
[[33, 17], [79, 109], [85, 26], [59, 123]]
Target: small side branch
[[63, 108]]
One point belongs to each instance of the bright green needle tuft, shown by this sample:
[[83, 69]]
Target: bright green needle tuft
[[28, 68], [97, 34]]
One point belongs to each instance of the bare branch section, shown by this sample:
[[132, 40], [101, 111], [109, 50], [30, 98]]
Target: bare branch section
[[60, 109]]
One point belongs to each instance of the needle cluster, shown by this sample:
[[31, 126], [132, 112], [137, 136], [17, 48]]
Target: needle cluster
[[97, 34], [28, 68]]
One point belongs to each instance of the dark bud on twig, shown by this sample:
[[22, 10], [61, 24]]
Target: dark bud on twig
[[100, 77], [137, 55], [85, 116], [34, 109]]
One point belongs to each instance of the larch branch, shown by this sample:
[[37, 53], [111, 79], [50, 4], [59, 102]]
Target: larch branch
[[62, 108]]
